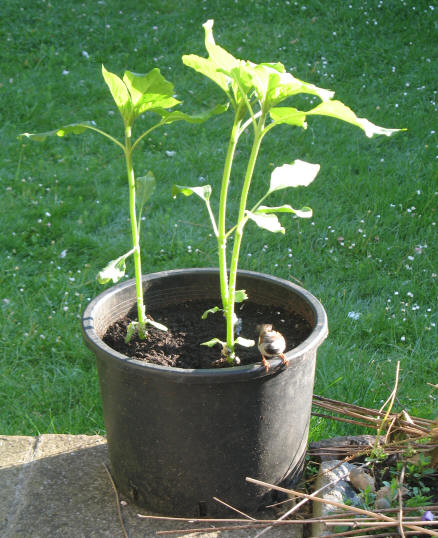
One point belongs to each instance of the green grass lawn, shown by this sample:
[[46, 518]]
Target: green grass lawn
[[369, 253]]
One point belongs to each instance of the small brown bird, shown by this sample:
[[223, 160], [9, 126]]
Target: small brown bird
[[271, 344]]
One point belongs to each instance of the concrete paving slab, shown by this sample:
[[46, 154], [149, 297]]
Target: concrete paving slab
[[58, 486]]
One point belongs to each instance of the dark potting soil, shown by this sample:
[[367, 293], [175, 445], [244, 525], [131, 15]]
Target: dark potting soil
[[180, 345]]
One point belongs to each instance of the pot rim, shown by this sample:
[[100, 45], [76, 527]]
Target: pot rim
[[312, 342]]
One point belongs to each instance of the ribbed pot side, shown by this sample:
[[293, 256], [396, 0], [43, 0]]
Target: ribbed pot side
[[177, 438]]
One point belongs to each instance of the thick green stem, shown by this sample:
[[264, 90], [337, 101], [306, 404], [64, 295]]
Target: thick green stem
[[134, 231], [241, 221], [222, 235]]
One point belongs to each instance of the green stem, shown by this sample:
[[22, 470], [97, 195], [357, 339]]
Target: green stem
[[134, 231], [221, 231], [103, 133], [241, 221]]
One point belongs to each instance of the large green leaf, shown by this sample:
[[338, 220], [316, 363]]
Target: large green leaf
[[220, 56], [149, 91], [176, 115], [266, 221], [285, 85], [337, 109], [299, 173], [219, 64], [152, 101], [208, 68], [72, 128], [120, 94], [289, 115], [150, 83], [203, 192]]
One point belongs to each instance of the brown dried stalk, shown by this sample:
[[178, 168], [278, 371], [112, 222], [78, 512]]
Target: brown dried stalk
[[375, 515]]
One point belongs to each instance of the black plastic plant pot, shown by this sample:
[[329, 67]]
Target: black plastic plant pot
[[177, 438]]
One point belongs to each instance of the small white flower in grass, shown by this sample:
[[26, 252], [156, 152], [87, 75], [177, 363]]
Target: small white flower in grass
[[403, 338], [170, 153], [85, 54], [65, 72], [354, 315], [63, 254], [42, 336], [410, 294]]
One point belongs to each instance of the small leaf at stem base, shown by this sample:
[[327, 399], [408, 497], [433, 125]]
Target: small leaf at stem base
[[211, 311], [240, 296], [245, 342]]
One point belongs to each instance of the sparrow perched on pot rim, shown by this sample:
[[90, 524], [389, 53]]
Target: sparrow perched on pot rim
[[271, 344]]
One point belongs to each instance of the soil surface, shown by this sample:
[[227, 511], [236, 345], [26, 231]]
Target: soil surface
[[180, 345]]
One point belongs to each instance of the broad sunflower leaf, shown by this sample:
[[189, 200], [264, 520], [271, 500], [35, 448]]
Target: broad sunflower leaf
[[337, 109], [289, 115], [299, 173], [120, 94], [267, 221], [176, 115]]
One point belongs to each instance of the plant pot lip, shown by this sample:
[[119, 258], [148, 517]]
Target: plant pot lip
[[315, 339]]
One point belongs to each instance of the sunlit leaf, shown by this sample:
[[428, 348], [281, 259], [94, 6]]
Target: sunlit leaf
[[220, 56], [289, 115], [211, 311], [240, 296], [208, 68], [114, 271], [203, 192], [266, 221], [299, 173], [176, 115], [152, 83], [120, 94], [336, 109], [286, 85], [72, 128], [245, 342], [304, 212]]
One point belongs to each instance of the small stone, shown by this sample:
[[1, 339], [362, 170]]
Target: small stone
[[362, 480], [382, 503], [387, 495]]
